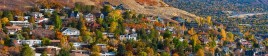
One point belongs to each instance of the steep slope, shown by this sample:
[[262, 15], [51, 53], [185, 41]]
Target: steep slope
[[162, 10]]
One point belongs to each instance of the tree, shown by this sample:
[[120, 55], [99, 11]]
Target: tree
[[115, 16], [165, 54], [113, 26], [106, 9], [4, 20], [57, 22], [4, 51], [20, 19], [191, 31], [95, 48], [121, 49], [200, 52], [129, 53], [64, 52], [44, 53], [10, 16], [167, 34], [223, 34], [31, 19], [27, 51], [1, 27], [209, 20], [142, 54], [230, 37], [45, 41]]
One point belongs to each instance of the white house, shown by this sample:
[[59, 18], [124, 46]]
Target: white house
[[37, 15], [30, 42], [73, 32], [89, 17], [129, 36], [107, 54], [101, 45], [78, 44], [108, 34], [13, 29], [20, 23], [48, 10]]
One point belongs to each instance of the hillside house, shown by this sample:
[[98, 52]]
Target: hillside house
[[37, 15], [20, 23], [72, 32], [29, 42], [52, 50], [129, 36], [89, 17], [13, 29]]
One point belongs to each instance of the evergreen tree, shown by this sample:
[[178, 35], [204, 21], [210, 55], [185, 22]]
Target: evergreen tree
[[27, 51], [64, 52], [57, 22]]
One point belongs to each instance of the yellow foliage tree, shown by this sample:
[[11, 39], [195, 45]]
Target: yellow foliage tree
[[223, 34], [5, 20], [116, 15], [191, 31], [209, 20], [230, 37], [113, 26], [200, 52]]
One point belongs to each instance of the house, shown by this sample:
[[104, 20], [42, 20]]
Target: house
[[99, 15], [108, 34], [78, 44], [89, 17], [80, 53], [72, 32], [20, 23], [13, 29], [129, 36], [107, 54], [101, 45], [48, 10], [54, 43], [52, 50], [37, 15], [30, 42], [40, 20]]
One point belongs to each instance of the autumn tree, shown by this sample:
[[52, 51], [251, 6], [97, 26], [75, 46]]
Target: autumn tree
[[209, 22], [4, 20], [27, 51], [230, 37], [115, 16], [165, 54], [142, 54], [4, 51], [113, 26], [191, 31], [200, 52], [223, 34], [31, 19]]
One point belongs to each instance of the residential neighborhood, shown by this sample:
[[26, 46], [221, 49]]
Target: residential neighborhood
[[51, 28]]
